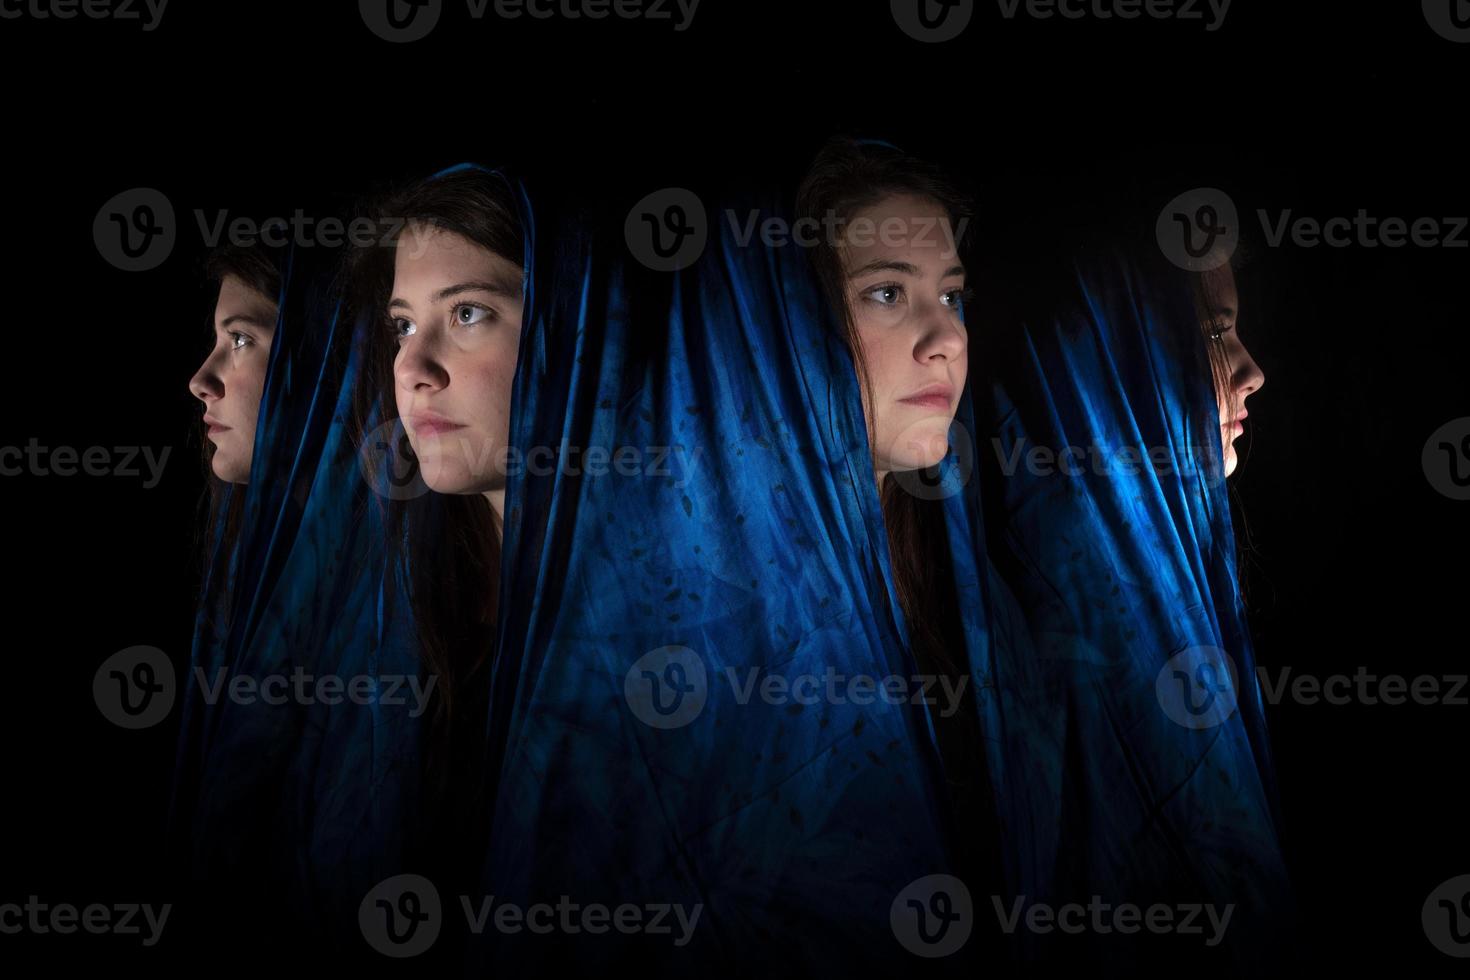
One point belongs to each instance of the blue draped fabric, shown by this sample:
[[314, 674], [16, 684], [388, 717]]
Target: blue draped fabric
[[290, 811], [738, 542], [1102, 474], [694, 562]]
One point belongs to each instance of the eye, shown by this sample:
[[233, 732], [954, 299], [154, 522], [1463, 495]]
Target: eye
[[887, 294], [239, 340], [956, 298], [400, 327], [1217, 330], [468, 314]]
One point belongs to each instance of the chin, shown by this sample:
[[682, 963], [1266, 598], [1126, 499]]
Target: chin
[[228, 469], [917, 459], [444, 474], [449, 473], [921, 445], [1227, 452]]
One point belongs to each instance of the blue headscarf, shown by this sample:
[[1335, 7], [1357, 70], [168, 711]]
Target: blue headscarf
[[713, 523], [1116, 538], [298, 813], [291, 810]]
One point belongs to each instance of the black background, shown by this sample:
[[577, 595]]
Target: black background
[[1322, 109]]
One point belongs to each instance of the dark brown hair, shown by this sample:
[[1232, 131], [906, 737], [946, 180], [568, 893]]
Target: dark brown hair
[[444, 548], [1209, 307], [846, 177]]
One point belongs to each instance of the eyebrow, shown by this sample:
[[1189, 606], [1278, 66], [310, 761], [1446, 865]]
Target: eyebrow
[[499, 287], [906, 268], [251, 319]]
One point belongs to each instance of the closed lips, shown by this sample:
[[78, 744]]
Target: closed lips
[[938, 395]]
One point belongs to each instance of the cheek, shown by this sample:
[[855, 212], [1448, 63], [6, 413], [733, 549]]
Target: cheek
[[1235, 355], [879, 349], [248, 381], [492, 378]]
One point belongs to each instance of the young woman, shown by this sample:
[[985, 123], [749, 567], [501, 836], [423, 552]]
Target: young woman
[[445, 304], [894, 277], [230, 380], [262, 783], [896, 282], [1236, 374], [1109, 417], [229, 385]]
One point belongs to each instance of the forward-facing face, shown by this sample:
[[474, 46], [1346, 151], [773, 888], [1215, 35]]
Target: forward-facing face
[[456, 309], [904, 286], [230, 380], [1242, 375]]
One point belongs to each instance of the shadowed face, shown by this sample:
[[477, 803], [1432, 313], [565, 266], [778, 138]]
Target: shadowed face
[[456, 309], [1243, 377], [904, 286], [230, 380]]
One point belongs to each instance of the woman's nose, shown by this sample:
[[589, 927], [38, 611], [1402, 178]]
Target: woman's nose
[[941, 336], [206, 383], [1249, 378], [417, 365]]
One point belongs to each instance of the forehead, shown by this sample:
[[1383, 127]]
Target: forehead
[[427, 256], [899, 227], [1219, 289], [237, 299]]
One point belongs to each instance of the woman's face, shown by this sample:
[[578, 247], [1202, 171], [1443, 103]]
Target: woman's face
[[231, 378], [1242, 375], [456, 309], [904, 284]]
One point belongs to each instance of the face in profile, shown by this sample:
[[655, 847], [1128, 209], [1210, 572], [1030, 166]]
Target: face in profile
[[1241, 376], [904, 286], [456, 311], [230, 380]]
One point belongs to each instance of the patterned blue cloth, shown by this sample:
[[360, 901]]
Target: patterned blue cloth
[[293, 809], [1109, 517], [727, 536]]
